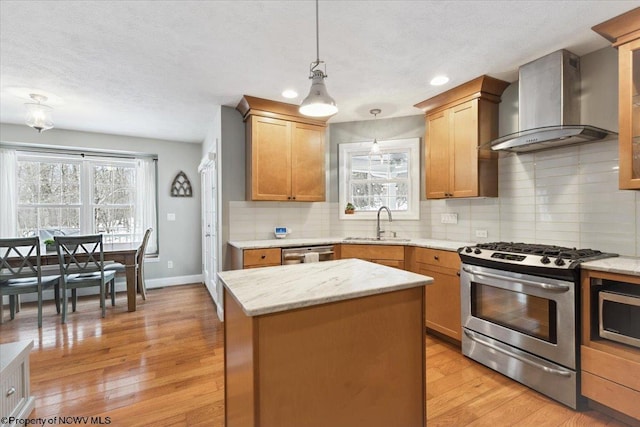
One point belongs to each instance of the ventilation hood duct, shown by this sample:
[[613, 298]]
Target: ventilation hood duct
[[549, 106]]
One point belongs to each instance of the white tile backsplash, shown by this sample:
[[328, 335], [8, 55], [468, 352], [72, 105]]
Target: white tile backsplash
[[567, 196]]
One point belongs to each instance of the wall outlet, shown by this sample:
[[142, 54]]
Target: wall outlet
[[169, 264], [171, 217], [482, 233], [449, 218]]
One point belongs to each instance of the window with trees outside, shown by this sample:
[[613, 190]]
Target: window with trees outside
[[390, 177], [73, 194]]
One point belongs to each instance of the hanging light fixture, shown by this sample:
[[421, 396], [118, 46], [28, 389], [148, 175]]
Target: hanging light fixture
[[375, 147], [38, 114], [318, 103]]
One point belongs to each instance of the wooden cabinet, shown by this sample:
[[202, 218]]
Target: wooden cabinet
[[389, 255], [624, 32], [610, 371], [459, 125], [285, 154], [442, 297], [15, 395], [254, 258]]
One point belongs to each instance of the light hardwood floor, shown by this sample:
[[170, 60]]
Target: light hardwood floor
[[163, 366]]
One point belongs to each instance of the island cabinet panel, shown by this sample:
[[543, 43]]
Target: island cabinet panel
[[358, 362], [285, 152], [442, 297], [389, 255]]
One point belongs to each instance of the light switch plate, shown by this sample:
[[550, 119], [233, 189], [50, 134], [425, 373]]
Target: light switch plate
[[449, 218], [171, 217]]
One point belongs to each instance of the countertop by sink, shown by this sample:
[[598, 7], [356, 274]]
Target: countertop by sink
[[446, 245]]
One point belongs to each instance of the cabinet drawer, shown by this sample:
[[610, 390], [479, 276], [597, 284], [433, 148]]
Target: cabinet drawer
[[611, 367], [611, 394], [373, 252], [440, 258], [261, 257], [390, 263]]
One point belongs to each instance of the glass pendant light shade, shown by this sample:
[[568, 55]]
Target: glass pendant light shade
[[375, 147], [318, 103], [38, 115]]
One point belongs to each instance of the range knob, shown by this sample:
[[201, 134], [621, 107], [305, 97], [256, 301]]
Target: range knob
[[545, 260], [559, 261], [477, 251], [468, 250]]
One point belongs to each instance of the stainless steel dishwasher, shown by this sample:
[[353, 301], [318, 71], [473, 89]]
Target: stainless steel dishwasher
[[307, 254]]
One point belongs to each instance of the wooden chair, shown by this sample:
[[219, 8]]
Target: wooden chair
[[81, 260], [21, 273], [116, 266]]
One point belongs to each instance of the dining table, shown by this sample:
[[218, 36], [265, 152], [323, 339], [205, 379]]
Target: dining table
[[122, 253]]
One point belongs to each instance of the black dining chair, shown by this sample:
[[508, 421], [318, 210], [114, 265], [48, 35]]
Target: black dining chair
[[21, 273], [81, 260], [119, 267]]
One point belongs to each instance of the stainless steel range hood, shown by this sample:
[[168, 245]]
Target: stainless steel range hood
[[549, 107]]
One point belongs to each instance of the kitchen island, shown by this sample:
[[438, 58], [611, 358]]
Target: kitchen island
[[337, 343]]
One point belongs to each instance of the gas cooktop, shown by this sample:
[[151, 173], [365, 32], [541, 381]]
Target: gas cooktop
[[530, 254]]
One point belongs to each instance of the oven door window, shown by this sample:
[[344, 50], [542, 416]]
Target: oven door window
[[528, 314]]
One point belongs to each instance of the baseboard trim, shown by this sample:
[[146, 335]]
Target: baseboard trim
[[121, 286]]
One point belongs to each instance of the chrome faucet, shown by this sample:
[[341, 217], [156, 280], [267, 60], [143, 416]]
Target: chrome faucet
[[378, 230]]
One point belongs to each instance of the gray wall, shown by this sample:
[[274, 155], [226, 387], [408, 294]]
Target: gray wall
[[232, 166], [178, 241], [381, 129]]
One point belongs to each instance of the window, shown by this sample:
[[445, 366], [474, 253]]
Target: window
[[70, 194], [389, 178]]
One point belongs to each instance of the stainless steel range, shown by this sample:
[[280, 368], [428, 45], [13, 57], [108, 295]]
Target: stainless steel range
[[519, 313]]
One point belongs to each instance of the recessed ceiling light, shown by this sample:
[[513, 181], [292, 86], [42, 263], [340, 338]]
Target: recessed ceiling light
[[439, 80], [290, 93]]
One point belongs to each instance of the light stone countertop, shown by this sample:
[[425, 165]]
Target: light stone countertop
[[268, 290], [620, 265], [447, 245]]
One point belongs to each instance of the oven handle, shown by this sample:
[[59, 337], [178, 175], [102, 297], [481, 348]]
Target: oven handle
[[523, 359], [545, 286]]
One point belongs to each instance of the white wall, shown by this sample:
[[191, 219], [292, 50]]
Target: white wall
[[178, 241]]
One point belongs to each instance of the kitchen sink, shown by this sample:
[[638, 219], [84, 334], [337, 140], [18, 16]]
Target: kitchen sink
[[382, 239]]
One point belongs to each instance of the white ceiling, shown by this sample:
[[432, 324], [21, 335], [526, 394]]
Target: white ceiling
[[159, 68]]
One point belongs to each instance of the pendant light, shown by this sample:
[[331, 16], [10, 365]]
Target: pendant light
[[38, 114], [318, 103], [375, 147]]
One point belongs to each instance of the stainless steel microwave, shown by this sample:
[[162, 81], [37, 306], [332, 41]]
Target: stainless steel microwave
[[619, 314]]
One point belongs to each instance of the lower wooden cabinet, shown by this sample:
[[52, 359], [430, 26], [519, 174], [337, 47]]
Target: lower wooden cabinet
[[610, 370], [442, 297], [254, 258], [389, 255]]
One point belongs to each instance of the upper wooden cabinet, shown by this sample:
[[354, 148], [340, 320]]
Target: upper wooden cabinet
[[624, 32], [458, 123], [285, 155]]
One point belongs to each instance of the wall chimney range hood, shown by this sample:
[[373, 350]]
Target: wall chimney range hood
[[549, 107]]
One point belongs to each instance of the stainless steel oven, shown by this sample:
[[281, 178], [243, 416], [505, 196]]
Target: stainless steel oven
[[519, 314]]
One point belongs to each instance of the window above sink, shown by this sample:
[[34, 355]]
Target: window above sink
[[389, 178]]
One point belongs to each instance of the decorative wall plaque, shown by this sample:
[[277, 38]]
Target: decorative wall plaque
[[181, 187]]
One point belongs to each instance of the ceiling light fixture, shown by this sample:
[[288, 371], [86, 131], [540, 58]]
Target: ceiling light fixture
[[375, 147], [439, 80], [290, 93], [318, 103], [38, 114]]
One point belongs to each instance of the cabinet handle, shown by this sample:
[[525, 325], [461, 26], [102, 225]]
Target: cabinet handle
[[458, 273], [11, 391], [288, 197], [294, 197], [436, 257], [263, 256]]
